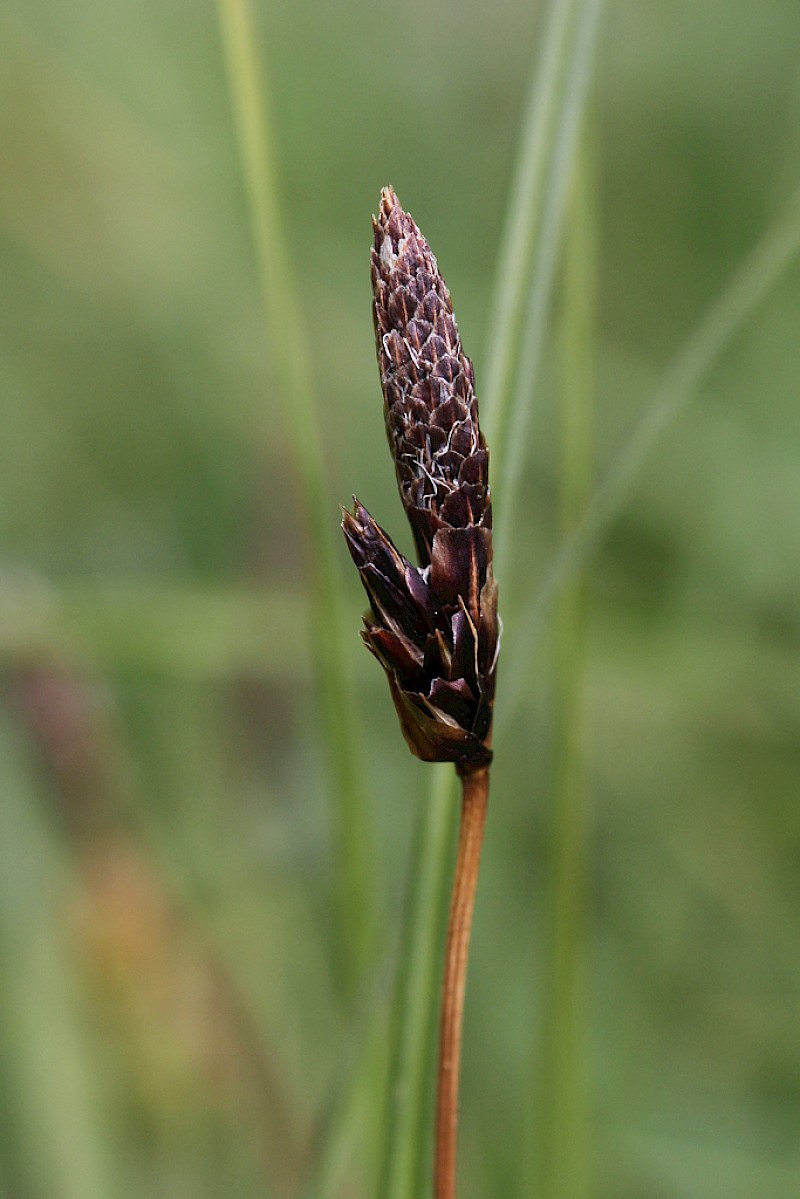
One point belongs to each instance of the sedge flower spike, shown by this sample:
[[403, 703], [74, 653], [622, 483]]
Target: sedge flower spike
[[433, 627]]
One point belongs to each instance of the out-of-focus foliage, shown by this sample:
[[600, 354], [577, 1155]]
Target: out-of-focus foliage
[[173, 1019]]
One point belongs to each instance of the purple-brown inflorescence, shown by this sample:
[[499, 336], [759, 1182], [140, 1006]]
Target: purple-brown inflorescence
[[434, 628]]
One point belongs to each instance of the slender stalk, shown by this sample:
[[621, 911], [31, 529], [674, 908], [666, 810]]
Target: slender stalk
[[474, 800], [292, 357]]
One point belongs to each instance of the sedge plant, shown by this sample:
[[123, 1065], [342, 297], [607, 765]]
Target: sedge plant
[[434, 626]]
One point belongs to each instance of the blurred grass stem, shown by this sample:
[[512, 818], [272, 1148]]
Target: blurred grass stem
[[60, 1121], [348, 1134], [756, 275], [292, 358], [556, 1162], [529, 249], [402, 1174]]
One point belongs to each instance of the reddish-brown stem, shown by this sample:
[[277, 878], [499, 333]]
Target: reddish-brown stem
[[475, 794]]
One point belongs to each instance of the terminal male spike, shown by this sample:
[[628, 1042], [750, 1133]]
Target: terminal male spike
[[433, 627]]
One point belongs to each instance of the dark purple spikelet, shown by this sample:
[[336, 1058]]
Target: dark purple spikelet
[[428, 385], [434, 628]]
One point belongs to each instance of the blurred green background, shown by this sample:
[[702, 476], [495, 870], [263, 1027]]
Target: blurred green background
[[178, 1010]]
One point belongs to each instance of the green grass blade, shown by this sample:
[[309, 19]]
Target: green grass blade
[[50, 1094], [556, 1155], [345, 1156], [763, 267], [530, 245], [405, 1152], [291, 354]]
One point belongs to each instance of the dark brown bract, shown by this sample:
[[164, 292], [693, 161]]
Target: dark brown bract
[[434, 628]]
